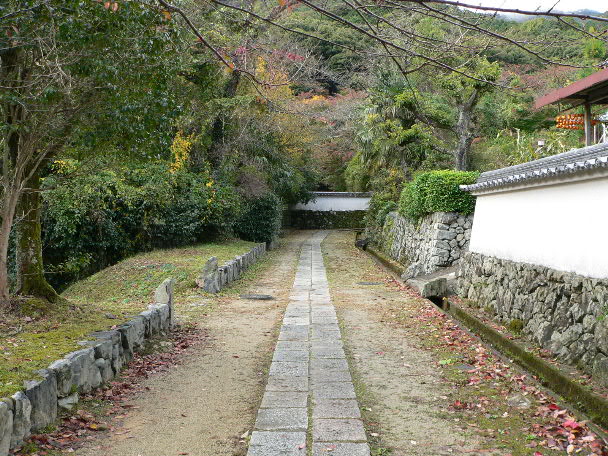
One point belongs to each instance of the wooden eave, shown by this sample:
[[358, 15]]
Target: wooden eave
[[591, 90]]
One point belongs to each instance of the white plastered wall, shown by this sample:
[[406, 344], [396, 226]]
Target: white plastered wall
[[335, 203], [563, 226]]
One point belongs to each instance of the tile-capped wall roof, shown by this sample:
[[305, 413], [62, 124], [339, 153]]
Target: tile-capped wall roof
[[344, 194], [571, 162]]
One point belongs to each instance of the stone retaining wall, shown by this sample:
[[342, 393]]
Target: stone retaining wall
[[434, 242], [562, 312], [36, 407], [60, 385], [213, 278]]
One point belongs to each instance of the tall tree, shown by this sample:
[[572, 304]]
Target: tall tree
[[30, 266], [36, 111], [466, 93], [61, 61]]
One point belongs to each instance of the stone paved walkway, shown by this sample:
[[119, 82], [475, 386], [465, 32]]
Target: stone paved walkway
[[310, 394]]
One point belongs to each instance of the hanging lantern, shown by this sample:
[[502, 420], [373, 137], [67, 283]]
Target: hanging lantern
[[572, 121]]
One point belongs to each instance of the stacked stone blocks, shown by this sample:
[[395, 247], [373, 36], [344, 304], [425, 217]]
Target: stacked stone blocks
[[213, 277], [36, 407], [561, 311], [61, 384], [436, 241]]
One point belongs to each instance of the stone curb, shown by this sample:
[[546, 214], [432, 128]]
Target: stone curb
[[213, 277], [595, 406], [100, 360], [389, 263]]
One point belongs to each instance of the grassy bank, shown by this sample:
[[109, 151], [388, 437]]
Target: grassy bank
[[31, 342]]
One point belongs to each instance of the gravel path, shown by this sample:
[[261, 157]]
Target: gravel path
[[309, 375], [399, 385], [306, 401], [206, 405]]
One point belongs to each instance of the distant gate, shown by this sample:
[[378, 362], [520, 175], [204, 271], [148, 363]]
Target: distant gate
[[331, 210]]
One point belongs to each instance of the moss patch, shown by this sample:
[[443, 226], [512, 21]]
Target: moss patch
[[391, 264], [38, 336], [516, 325]]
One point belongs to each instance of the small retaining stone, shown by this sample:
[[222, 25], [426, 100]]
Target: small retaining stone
[[42, 395], [85, 374], [209, 277], [6, 427], [68, 403], [22, 410], [63, 373]]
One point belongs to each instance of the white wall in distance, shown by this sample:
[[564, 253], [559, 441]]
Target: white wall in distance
[[335, 203], [562, 226]]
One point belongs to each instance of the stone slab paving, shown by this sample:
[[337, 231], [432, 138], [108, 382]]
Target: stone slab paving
[[310, 392]]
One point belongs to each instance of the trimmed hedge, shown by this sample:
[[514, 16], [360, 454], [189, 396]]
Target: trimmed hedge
[[437, 191], [327, 220], [261, 219]]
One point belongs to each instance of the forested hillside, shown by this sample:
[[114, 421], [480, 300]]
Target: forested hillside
[[132, 125]]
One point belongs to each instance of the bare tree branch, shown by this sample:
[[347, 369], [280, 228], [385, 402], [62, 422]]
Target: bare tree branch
[[549, 13], [501, 37], [24, 10]]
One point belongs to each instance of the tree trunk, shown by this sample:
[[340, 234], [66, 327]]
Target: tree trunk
[[30, 268], [9, 204], [464, 131], [10, 75]]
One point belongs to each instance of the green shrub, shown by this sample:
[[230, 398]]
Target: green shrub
[[356, 174], [379, 205], [92, 220], [386, 186], [389, 206], [261, 219], [437, 191]]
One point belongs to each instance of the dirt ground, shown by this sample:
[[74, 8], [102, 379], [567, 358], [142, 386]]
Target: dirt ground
[[400, 389], [205, 405], [425, 386]]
